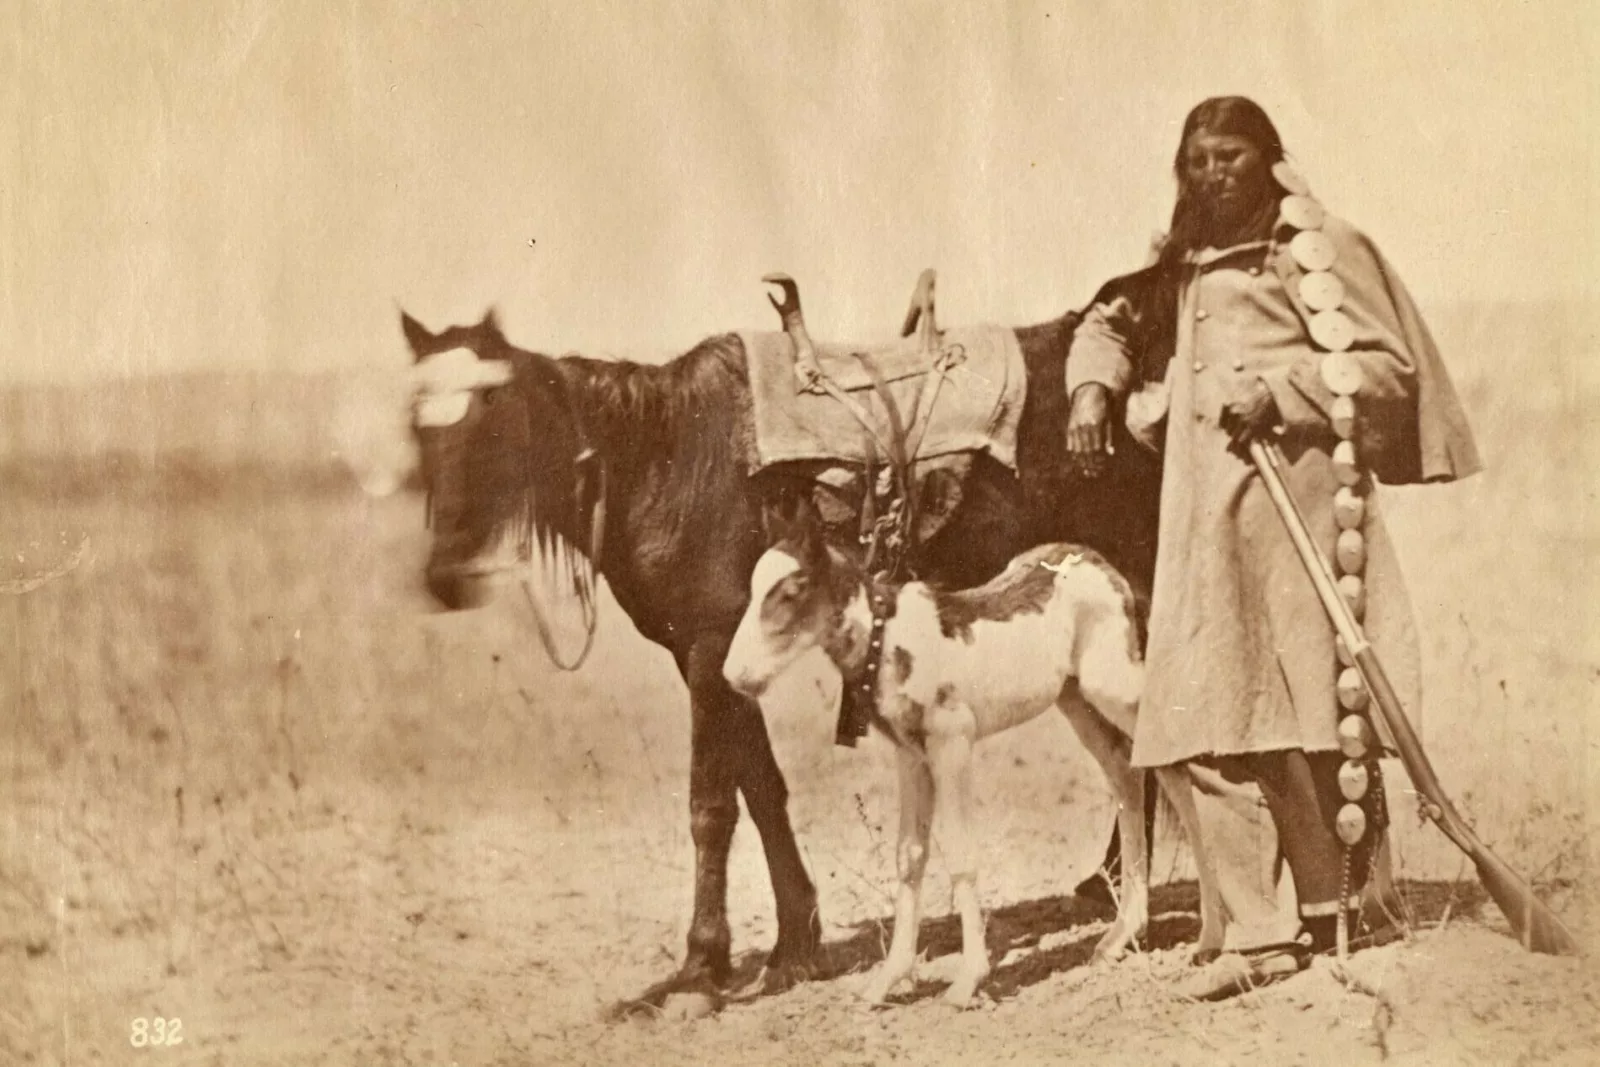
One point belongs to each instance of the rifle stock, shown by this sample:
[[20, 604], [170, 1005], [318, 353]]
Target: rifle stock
[[1536, 926]]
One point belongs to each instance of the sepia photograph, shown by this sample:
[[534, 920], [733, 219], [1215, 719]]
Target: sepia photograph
[[799, 532]]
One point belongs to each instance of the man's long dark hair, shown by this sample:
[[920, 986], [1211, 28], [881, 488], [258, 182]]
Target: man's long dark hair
[[1192, 223], [1193, 226]]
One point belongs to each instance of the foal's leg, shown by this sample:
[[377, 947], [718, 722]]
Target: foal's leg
[[950, 758], [1177, 785], [1106, 745], [911, 860]]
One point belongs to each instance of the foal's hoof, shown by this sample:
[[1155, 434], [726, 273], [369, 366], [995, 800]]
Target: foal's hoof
[[875, 996], [1111, 948], [962, 996], [876, 992]]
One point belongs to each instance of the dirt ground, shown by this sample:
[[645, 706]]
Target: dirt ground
[[388, 928]]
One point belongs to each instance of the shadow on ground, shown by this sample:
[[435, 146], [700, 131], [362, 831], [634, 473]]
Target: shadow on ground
[[1025, 926]]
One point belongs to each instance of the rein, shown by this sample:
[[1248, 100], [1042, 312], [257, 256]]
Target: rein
[[587, 454]]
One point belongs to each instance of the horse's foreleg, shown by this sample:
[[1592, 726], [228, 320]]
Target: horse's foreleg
[[911, 862], [713, 814], [950, 758], [794, 957]]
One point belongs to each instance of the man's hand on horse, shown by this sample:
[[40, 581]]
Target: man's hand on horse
[[1249, 416], [1088, 437]]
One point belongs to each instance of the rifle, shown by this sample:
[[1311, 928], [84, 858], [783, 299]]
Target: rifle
[[1536, 926]]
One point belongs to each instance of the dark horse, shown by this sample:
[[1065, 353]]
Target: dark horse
[[546, 450]]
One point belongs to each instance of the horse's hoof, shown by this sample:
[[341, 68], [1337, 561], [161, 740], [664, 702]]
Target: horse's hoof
[[653, 1002], [684, 1007]]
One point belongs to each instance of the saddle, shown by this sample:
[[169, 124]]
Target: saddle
[[886, 432]]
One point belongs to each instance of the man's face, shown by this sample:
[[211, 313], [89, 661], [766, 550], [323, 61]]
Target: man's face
[[1227, 172]]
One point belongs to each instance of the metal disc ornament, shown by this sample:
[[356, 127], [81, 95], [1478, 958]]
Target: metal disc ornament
[[1353, 780], [1352, 691], [1321, 290], [1302, 212], [1286, 176], [1339, 370], [1355, 736], [1354, 591], [1312, 250], [1349, 508], [1351, 824], [1333, 331], [1342, 412], [1351, 551], [1345, 467]]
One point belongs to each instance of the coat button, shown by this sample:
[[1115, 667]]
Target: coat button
[[1199, 366], [1238, 364], [1202, 315], [1254, 271]]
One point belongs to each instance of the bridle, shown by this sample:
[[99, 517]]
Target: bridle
[[586, 463], [590, 473]]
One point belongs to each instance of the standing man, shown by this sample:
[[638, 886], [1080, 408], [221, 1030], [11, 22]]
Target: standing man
[[1265, 318]]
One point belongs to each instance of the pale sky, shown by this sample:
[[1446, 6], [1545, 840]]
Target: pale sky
[[259, 185]]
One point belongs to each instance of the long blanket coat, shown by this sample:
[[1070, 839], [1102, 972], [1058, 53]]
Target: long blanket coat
[[1241, 654]]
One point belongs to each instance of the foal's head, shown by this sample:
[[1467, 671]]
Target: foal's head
[[799, 592]]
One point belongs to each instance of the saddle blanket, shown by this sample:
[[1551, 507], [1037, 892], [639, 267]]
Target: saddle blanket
[[976, 409]]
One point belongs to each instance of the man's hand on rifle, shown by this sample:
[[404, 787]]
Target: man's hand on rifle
[[1250, 416]]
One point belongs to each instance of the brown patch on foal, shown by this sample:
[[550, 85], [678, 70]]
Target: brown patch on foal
[[1023, 588], [901, 662], [1026, 587]]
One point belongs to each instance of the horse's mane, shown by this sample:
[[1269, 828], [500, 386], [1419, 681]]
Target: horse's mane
[[665, 433], [645, 408]]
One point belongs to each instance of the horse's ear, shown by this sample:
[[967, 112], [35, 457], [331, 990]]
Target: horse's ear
[[491, 325], [417, 335]]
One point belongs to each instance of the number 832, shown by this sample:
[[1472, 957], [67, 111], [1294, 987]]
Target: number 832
[[156, 1032]]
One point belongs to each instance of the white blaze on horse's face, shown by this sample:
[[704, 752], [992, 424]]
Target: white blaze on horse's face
[[783, 622], [445, 381]]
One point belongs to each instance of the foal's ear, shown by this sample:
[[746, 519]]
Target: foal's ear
[[783, 513], [807, 534], [775, 519]]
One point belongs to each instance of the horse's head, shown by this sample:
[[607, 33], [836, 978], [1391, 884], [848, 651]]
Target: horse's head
[[799, 592], [495, 433]]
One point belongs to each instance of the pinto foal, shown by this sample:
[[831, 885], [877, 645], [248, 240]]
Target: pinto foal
[[1057, 629]]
